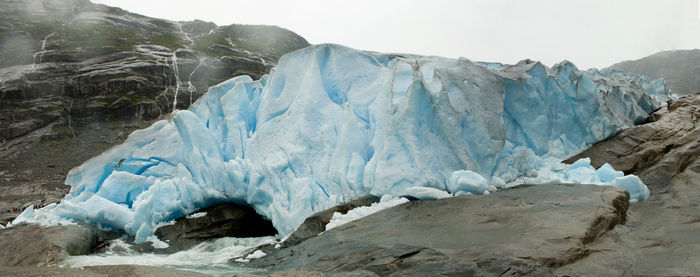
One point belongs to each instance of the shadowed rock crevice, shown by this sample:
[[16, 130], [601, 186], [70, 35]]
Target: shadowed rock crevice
[[224, 220]]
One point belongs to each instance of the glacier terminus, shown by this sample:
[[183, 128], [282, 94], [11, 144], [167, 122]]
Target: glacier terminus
[[331, 124]]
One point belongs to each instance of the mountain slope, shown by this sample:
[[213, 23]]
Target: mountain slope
[[76, 78], [680, 69]]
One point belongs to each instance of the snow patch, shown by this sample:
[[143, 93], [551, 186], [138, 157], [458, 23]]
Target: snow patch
[[387, 201], [197, 215]]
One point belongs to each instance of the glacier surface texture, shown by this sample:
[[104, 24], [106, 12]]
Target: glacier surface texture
[[331, 124]]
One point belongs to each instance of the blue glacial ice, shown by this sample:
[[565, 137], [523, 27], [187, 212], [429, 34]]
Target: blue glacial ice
[[331, 124]]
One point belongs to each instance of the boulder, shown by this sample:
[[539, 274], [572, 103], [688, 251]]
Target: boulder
[[526, 230], [33, 245]]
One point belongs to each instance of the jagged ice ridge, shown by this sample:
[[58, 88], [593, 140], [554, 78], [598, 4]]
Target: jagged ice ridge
[[331, 124]]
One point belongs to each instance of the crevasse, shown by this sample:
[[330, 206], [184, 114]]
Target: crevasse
[[331, 124]]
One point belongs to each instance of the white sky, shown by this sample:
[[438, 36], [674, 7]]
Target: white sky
[[590, 33]]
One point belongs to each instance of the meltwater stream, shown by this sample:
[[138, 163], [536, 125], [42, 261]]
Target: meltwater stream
[[210, 257]]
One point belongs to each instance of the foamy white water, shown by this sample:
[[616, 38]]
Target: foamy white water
[[209, 257]]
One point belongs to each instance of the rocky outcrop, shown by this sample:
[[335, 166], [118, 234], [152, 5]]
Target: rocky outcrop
[[76, 78], [32, 245], [527, 230], [660, 237], [665, 148], [225, 220], [680, 69], [316, 223]]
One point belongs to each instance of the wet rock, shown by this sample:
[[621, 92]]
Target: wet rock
[[140, 270], [97, 271], [527, 230], [31, 245], [224, 220]]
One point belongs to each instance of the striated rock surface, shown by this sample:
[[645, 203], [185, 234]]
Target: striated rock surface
[[224, 220], [31, 245], [680, 69], [76, 78], [661, 235], [527, 230]]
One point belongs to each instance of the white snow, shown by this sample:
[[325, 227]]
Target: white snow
[[331, 124], [197, 215], [256, 255], [387, 201]]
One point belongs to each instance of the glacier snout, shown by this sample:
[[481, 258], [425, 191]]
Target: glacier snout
[[331, 124]]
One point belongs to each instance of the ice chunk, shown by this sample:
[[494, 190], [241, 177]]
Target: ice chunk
[[425, 193], [26, 215], [332, 123], [156, 243], [606, 173], [256, 255], [638, 191], [467, 181]]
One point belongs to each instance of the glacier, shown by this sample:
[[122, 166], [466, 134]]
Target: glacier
[[330, 124]]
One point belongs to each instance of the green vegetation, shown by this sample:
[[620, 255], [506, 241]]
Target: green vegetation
[[205, 43], [94, 36], [169, 40]]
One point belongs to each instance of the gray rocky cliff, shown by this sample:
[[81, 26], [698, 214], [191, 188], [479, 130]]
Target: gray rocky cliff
[[680, 69], [76, 78]]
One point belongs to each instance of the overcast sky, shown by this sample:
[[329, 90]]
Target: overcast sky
[[590, 33]]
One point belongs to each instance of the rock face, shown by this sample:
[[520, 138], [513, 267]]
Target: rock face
[[316, 223], [660, 151], [31, 245], [527, 230], [661, 235], [225, 220], [77, 78], [680, 69]]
